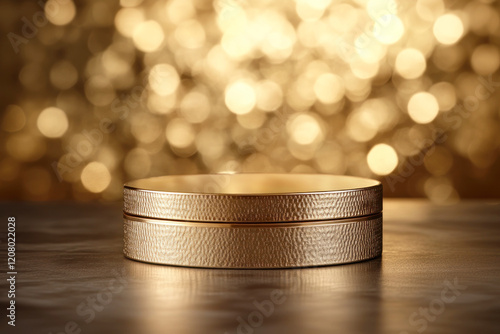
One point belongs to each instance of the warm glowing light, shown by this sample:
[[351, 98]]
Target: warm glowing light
[[180, 133], [440, 190], [382, 159], [148, 36], [329, 88], [485, 59], [95, 177], [423, 107], [361, 126], [60, 13], [429, 10], [13, 119], [190, 34], [163, 79], [388, 29], [195, 107], [137, 163], [127, 19], [269, 95], [304, 129], [63, 75], [240, 97], [410, 63], [145, 127], [52, 122], [445, 94], [130, 3], [25, 147], [448, 29]]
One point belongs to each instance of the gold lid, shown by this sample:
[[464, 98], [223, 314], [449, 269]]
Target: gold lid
[[253, 197]]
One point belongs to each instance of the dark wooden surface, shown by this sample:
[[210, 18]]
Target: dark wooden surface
[[71, 272]]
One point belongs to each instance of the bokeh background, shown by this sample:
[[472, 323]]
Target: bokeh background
[[95, 93]]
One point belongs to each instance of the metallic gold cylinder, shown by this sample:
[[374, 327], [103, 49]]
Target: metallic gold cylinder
[[263, 245], [252, 220]]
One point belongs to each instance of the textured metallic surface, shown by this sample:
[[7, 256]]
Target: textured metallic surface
[[284, 245], [69, 253], [348, 197]]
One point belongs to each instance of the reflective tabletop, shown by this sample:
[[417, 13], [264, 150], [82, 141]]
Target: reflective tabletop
[[439, 273]]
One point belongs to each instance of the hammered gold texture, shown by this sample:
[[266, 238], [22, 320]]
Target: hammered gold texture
[[287, 245], [264, 208]]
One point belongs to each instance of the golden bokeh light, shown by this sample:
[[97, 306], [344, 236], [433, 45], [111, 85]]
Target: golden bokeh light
[[148, 36], [95, 177], [304, 129], [60, 12], [195, 107], [190, 34], [382, 159], [410, 63], [240, 97], [423, 107], [106, 92], [448, 29], [445, 94], [52, 122], [63, 75], [14, 119], [485, 59], [329, 88], [127, 20], [180, 133], [388, 28], [163, 79]]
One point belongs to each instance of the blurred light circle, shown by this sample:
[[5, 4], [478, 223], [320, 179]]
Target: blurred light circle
[[448, 29], [52, 122], [445, 94], [429, 10], [63, 75], [195, 107], [130, 3], [148, 36], [485, 59], [240, 97], [388, 29], [382, 159], [269, 95], [304, 129], [127, 19], [137, 163], [423, 107], [95, 177], [163, 79], [190, 34], [13, 119], [410, 63], [361, 126], [60, 12], [180, 133], [329, 88]]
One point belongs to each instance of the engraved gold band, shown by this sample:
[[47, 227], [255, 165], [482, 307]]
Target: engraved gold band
[[253, 198], [256, 245]]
